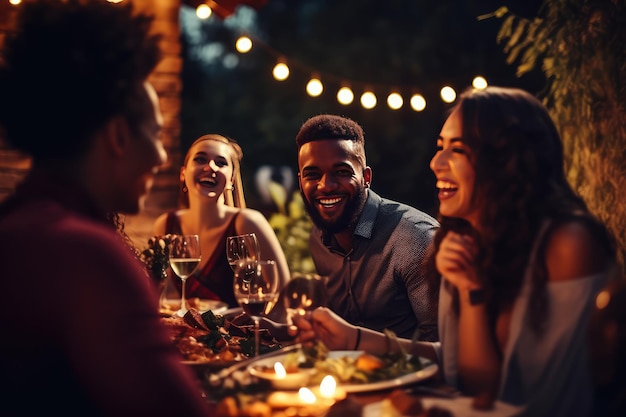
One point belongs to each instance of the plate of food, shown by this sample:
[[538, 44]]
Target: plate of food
[[169, 306], [209, 341], [354, 371]]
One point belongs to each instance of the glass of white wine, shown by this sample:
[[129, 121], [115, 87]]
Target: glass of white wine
[[184, 258], [256, 289]]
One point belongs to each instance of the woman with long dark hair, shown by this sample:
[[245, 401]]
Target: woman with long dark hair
[[520, 256]]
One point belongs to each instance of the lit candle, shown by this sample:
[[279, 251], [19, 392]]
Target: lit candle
[[328, 387], [280, 371], [307, 396]]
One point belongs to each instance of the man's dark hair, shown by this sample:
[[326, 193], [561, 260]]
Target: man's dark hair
[[330, 126], [69, 67]]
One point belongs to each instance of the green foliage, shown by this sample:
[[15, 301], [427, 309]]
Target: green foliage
[[293, 228], [580, 47], [156, 256]]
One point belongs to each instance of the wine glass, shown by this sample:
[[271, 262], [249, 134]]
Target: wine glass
[[184, 258], [242, 248], [304, 292], [256, 285]]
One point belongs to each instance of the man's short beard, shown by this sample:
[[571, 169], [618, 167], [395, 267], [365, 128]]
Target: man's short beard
[[348, 218]]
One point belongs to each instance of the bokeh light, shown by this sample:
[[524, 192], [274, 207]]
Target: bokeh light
[[368, 100]]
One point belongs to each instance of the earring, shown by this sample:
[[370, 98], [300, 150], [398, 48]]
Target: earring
[[185, 189]]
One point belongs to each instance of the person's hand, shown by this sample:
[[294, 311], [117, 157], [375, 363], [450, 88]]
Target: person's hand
[[326, 326], [455, 260]]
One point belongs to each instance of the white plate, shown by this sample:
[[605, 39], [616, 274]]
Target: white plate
[[426, 372], [201, 304], [459, 406]]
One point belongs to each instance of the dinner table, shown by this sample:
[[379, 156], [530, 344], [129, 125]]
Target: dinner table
[[238, 389]]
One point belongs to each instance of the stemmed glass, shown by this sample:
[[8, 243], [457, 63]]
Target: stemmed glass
[[256, 289], [303, 292], [242, 248], [184, 259]]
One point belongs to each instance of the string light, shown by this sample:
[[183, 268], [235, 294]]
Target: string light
[[418, 102], [243, 44], [368, 100], [203, 11], [448, 95], [395, 101], [314, 87], [281, 71], [479, 83], [345, 96]]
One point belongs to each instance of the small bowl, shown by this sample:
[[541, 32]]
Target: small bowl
[[291, 381]]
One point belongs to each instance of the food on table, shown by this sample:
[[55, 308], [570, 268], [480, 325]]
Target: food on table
[[209, 337], [364, 368]]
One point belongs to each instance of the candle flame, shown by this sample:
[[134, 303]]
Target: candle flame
[[280, 371], [328, 387], [306, 395]]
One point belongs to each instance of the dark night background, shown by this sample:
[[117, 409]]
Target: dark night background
[[382, 44]]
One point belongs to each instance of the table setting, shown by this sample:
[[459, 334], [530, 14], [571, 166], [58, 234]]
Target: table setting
[[249, 365]]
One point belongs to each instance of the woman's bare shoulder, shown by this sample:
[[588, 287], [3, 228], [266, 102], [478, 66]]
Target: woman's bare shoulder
[[572, 251], [161, 220]]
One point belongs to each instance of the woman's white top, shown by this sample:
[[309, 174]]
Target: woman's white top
[[547, 373]]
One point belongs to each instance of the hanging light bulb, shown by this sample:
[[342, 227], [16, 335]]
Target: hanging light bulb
[[345, 96], [368, 100], [314, 87], [243, 44], [418, 102], [395, 101], [448, 94], [281, 71], [203, 11], [16, 2], [479, 83]]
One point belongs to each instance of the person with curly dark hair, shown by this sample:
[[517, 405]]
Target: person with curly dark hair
[[369, 248], [80, 316], [521, 257]]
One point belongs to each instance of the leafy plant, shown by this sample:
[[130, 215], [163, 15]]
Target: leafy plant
[[580, 47], [293, 228], [156, 257]]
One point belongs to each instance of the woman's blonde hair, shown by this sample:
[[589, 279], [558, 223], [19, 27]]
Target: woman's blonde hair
[[233, 197]]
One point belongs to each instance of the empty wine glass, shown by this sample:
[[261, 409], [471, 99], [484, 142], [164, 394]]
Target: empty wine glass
[[303, 292], [184, 258], [255, 289], [242, 248]]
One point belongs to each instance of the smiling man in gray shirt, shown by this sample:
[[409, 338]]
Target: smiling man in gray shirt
[[371, 249]]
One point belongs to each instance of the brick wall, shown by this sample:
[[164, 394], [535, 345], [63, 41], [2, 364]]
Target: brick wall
[[167, 82]]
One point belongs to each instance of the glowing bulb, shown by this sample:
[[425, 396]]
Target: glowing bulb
[[603, 299], [418, 102], [448, 94], [280, 371], [314, 87], [19, 1], [306, 395], [479, 83], [281, 71], [394, 101], [368, 100], [243, 44], [328, 387], [345, 96], [203, 11]]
